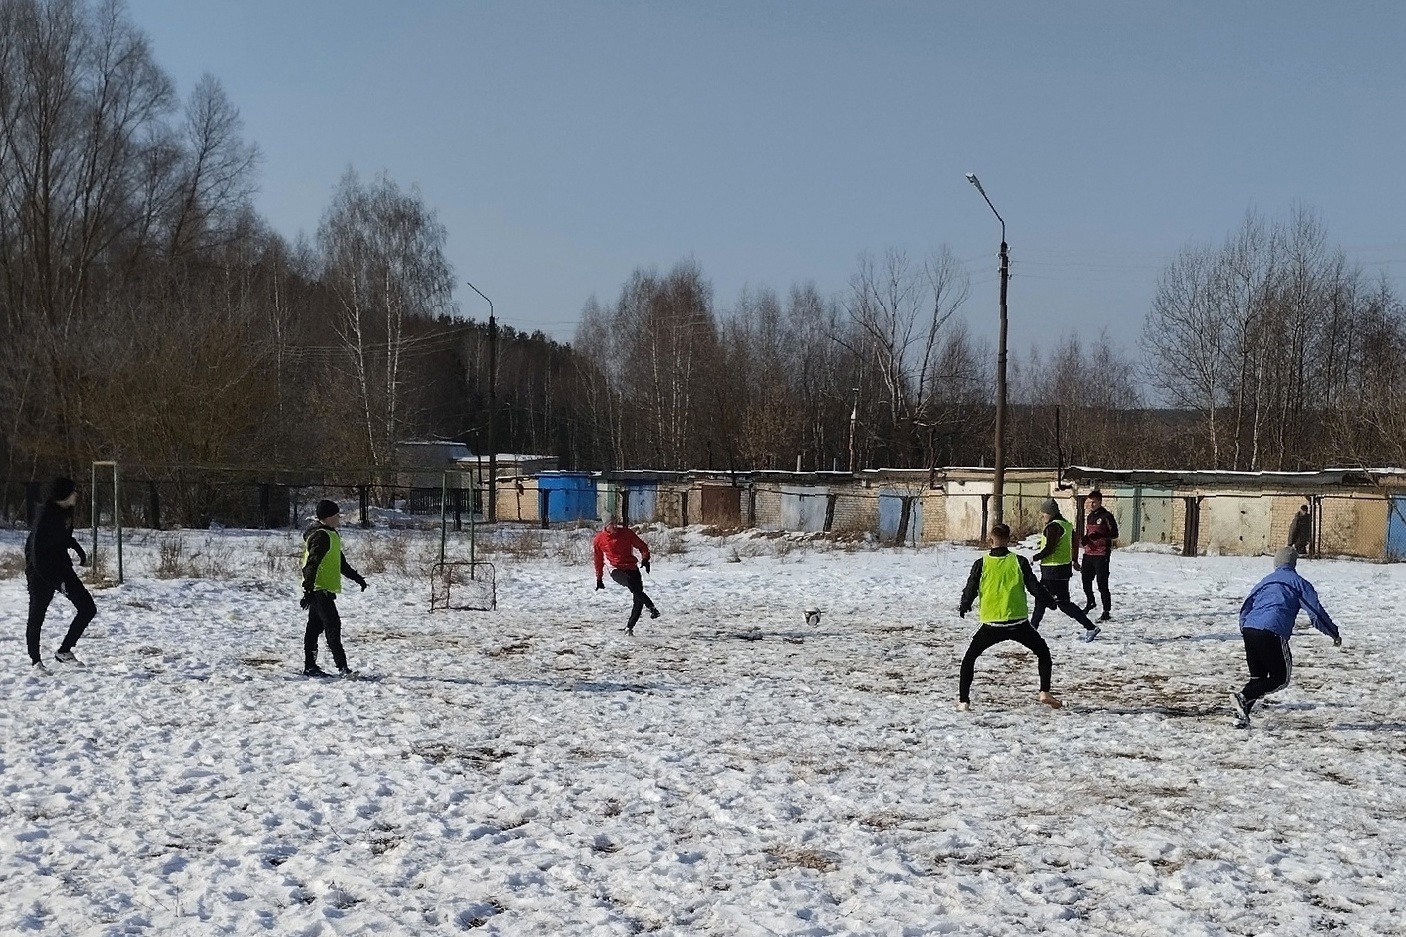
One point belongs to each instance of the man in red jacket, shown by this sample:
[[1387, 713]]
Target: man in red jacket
[[617, 544]]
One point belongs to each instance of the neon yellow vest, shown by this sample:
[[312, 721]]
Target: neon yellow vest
[[1002, 589], [1063, 553], [329, 571]]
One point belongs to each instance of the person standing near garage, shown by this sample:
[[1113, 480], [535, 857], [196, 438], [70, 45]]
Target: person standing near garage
[[1100, 530]]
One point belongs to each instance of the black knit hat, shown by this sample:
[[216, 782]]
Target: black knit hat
[[327, 509], [61, 487]]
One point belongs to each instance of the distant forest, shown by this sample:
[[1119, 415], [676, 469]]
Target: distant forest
[[149, 315]]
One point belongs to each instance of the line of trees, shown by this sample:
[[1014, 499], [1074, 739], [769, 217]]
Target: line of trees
[[1289, 355], [149, 315]]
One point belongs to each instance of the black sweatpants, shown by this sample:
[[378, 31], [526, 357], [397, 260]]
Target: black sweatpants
[[989, 636], [323, 619], [632, 580], [1059, 591], [1095, 568], [41, 593], [1270, 662]]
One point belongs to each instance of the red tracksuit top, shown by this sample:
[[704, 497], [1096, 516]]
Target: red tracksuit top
[[618, 545]]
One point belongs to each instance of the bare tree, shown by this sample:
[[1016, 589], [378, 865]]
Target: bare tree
[[213, 180], [383, 256], [901, 312], [80, 103]]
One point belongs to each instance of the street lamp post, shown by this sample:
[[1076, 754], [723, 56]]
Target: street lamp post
[[998, 483], [492, 506]]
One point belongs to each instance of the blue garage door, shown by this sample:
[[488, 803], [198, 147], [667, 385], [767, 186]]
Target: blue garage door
[[642, 503], [891, 505], [1396, 529]]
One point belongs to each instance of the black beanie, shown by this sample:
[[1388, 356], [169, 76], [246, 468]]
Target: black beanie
[[327, 508], [61, 487]]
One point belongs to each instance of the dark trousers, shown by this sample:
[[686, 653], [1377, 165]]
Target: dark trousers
[[323, 619], [1270, 662], [41, 593], [1096, 570], [1059, 591], [1300, 547], [632, 580], [989, 636]]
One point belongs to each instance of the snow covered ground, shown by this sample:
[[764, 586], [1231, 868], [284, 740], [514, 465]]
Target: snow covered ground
[[729, 770]]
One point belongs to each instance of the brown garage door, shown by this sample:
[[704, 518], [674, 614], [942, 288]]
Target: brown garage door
[[722, 505]]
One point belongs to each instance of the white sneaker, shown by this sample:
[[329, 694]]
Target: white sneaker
[[39, 670], [964, 707], [67, 657], [1241, 710]]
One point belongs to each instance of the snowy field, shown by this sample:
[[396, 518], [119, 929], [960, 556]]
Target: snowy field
[[728, 770]]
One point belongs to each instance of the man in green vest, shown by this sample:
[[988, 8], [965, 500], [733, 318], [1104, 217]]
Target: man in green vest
[[1001, 579], [1056, 559], [323, 569]]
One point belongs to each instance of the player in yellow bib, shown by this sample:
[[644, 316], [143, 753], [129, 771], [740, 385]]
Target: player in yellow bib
[[1056, 559], [1000, 580], [323, 569]]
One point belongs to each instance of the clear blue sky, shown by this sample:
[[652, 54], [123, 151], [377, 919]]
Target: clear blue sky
[[565, 144]]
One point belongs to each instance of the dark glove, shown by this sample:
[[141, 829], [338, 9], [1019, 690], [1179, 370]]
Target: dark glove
[[646, 565], [82, 557], [306, 600], [600, 583]]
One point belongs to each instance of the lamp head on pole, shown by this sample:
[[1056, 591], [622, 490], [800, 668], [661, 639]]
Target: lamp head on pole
[[971, 177]]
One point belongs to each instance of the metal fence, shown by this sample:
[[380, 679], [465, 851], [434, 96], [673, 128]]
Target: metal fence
[[215, 501]]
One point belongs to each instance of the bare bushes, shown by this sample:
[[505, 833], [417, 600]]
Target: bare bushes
[[176, 558]]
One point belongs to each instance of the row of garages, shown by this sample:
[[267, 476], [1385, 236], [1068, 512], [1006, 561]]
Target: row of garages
[[1355, 513]]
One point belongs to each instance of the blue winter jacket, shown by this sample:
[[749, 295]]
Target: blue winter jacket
[[1274, 603]]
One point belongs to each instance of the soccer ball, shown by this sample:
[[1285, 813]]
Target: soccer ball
[[812, 616]]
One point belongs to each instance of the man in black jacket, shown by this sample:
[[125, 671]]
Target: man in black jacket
[[48, 569], [1301, 531]]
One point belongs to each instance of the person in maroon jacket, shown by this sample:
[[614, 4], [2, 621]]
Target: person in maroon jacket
[[1100, 530], [617, 544]]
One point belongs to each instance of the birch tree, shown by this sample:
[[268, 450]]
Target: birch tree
[[383, 257]]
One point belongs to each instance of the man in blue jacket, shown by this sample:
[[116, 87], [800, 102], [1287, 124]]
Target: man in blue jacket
[[1267, 623]]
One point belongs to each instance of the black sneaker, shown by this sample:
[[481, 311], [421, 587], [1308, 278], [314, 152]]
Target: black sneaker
[[1105, 616], [1241, 708], [654, 613], [630, 629], [346, 673], [1089, 606], [315, 671]]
